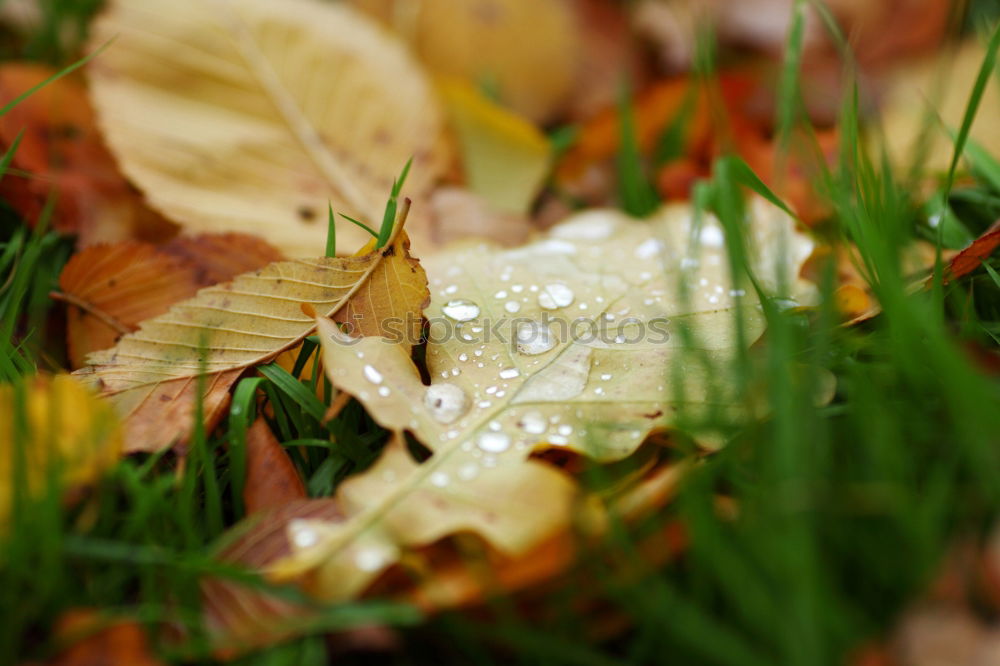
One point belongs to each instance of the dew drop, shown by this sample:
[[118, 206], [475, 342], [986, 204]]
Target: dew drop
[[711, 236], [509, 373], [383, 391], [649, 248], [446, 402], [534, 338], [512, 306], [565, 430], [689, 262], [555, 295], [534, 423], [461, 309], [468, 471], [494, 442], [370, 559], [605, 377], [302, 535], [372, 375], [439, 479]]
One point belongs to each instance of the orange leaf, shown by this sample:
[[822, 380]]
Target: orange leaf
[[61, 149], [969, 259], [95, 641], [272, 479], [173, 402], [239, 617], [113, 288]]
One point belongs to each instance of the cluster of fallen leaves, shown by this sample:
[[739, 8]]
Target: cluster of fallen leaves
[[209, 143]]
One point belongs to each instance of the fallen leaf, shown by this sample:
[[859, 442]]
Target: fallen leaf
[[525, 51], [655, 107], [612, 55], [96, 641], [225, 128], [62, 152], [940, 87], [239, 617], [152, 373], [67, 431], [971, 257], [220, 257], [112, 288], [507, 379], [460, 214], [272, 479], [505, 158], [880, 31]]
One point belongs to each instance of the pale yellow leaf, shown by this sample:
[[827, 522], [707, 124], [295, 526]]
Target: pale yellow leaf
[[67, 433], [252, 115], [496, 397], [232, 326], [933, 96], [527, 51], [505, 158]]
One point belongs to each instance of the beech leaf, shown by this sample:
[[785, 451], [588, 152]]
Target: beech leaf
[[255, 115], [111, 288], [227, 328]]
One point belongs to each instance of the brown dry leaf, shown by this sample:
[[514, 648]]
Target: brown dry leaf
[[972, 256], [461, 214], [494, 399], [880, 31], [225, 127], [153, 372], [112, 288], [95, 641], [527, 51], [69, 432], [272, 479], [240, 618], [62, 151]]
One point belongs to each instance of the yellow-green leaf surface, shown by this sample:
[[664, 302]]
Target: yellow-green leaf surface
[[250, 320], [252, 115], [505, 158], [61, 432], [496, 396]]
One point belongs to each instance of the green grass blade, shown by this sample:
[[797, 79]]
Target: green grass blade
[[331, 232], [360, 224], [294, 389], [975, 97]]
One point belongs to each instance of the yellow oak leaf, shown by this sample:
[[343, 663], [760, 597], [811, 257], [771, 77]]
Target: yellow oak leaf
[[510, 375]]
